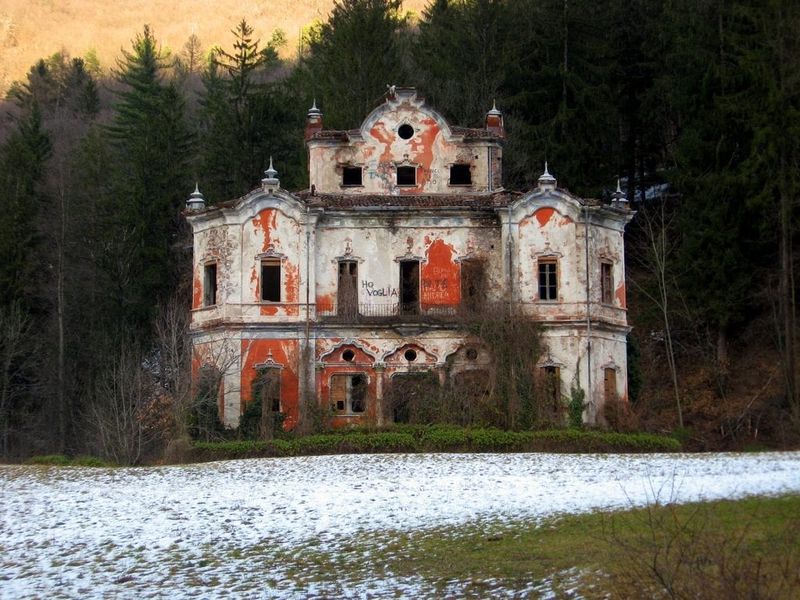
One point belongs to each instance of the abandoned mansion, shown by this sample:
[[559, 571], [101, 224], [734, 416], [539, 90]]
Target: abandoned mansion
[[333, 294]]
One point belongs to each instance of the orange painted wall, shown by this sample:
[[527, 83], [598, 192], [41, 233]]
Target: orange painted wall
[[284, 352], [440, 280], [266, 225]]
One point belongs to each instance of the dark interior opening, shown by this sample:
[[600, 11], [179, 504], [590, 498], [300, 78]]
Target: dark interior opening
[[409, 287], [405, 131], [460, 175], [271, 281], [406, 175], [358, 393], [210, 285], [351, 176]]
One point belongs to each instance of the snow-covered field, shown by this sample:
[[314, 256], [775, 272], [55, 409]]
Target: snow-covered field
[[233, 529]]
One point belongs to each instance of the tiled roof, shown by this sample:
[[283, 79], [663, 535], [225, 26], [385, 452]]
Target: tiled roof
[[474, 134], [344, 135]]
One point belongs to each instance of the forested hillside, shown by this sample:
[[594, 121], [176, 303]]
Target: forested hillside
[[693, 105]]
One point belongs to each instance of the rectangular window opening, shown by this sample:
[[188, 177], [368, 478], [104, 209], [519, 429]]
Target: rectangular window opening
[[473, 287], [409, 287], [210, 284], [349, 393], [347, 303], [460, 175], [610, 384], [406, 175], [606, 283], [548, 280], [351, 176], [268, 390], [551, 380], [271, 280]]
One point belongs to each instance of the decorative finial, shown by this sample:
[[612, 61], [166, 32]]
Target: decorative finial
[[314, 110], [271, 179], [494, 110], [545, 179], [618, 198], [271, 172], [196, 199]]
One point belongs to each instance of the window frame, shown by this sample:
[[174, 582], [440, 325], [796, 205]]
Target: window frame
[[606, 282], [210, 293], [348, 399], [468, 169], [406, 169], [265, 263], [352, 169], [548, 261]]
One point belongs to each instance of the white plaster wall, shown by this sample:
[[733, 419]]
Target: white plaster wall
[[379, 147]]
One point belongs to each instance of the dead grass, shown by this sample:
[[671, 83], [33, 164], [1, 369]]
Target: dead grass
[[33, 29]]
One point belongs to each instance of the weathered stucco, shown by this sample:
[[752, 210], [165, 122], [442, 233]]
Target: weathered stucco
[[381, 232]]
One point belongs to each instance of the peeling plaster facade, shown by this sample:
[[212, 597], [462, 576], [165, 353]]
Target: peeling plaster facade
[[335, 289]]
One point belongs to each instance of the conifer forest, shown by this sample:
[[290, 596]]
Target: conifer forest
[[693, 105]]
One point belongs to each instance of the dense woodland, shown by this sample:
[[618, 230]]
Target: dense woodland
[[692, 104]]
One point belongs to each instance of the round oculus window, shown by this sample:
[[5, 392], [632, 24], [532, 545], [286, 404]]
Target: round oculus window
[[348, 355], [472, 354], [405, 131], [411, 355]]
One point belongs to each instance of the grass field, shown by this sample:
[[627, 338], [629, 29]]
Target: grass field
[[729, 549]]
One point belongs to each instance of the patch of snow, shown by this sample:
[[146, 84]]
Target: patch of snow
[[231, 528]]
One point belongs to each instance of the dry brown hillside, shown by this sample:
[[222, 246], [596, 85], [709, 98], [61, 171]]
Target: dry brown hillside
[[33, 29]]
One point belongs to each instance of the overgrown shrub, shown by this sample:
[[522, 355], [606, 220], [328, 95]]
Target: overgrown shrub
[[417, 438]]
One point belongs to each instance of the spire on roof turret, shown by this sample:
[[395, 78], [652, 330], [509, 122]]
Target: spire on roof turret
[[546, 180], [270, 181], [494, 121], [196, 199]]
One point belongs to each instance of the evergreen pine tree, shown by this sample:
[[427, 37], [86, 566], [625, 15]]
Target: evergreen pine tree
[[151, 145]]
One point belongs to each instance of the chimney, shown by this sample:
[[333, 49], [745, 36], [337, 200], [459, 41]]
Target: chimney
[[313, 121]]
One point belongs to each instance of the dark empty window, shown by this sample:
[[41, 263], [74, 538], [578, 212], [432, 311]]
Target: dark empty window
[[271, 280], [473, 288], [409, 287], [548, 280], [351, 176], [210, 284], [606, 283], [406, 175], [405, 131], [551, 384], [460, 175]]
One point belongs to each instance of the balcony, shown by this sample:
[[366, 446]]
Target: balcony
[[389, 313]]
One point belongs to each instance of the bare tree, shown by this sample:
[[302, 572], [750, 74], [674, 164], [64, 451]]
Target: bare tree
[[15, 359], [653, 254], [117, 411]]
